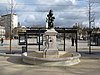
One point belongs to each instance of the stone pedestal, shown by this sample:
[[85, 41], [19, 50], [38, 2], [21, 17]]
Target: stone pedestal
[[51, 48]]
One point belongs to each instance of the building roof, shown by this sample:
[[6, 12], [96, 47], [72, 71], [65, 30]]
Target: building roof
[[7, 15]]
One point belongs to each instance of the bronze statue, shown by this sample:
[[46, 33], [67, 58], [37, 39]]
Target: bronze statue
[[50, 19]]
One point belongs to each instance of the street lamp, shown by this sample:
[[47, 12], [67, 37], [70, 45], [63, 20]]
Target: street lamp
[[11, 15], [91, 19]]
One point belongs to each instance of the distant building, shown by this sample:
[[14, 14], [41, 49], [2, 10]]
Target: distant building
[[18, 29], [6, 22], [2, 32]]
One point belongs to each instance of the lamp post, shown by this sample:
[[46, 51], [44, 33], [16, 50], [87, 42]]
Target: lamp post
[[89, 27], [11, 25]]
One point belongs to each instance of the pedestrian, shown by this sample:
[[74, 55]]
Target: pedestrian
[[72, 39], [1, 41]]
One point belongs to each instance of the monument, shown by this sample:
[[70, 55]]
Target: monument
[[51, 48], [50, 56]]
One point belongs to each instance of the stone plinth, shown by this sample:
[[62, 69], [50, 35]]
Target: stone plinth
[[51, 48]]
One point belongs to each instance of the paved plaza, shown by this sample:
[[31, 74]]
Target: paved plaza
[[13, 65]]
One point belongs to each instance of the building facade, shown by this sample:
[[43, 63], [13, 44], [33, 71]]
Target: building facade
[[9, 22], [2, 32]]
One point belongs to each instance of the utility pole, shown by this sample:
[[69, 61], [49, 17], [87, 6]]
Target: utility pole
[[11, 15]]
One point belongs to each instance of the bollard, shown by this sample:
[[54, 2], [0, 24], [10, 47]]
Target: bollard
[[24, 49]]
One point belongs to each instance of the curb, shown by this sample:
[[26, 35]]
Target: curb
[[10, 55]]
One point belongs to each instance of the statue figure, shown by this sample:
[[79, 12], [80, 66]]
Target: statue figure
[[50, 19]]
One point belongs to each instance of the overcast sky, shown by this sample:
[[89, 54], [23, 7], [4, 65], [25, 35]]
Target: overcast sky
[[66, 12]]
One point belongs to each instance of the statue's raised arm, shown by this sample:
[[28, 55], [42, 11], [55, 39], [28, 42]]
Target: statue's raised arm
[[50, 19]]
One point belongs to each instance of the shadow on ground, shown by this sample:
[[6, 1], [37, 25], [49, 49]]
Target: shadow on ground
[[16, 60], [92, 55]]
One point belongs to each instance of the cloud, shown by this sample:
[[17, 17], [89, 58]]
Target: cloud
[[73, 1], [95, 1], [4, 1], [67, 12]]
